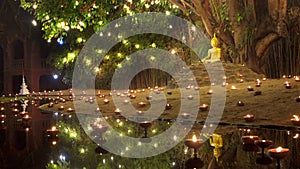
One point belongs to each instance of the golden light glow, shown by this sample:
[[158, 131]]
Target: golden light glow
[[296, 117], [53, 128], [194, 138], [278, 149]]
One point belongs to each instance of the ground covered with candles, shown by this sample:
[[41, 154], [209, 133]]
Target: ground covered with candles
[[250, 99]]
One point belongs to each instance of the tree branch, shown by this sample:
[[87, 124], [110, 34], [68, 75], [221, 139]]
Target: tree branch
[[263, 44]]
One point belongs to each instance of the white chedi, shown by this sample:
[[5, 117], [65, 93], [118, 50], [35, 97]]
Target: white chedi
[[24, 90]]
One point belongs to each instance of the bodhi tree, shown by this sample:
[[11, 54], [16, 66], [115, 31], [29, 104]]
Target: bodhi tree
[[246, 28]]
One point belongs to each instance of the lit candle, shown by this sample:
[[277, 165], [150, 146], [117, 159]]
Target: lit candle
[[117, 111], [105, 101], [250, 88], [203, 107], [297, 79], [26, 117], [51, 104], [193, 142], [61, 107], [283, 76], [288, 86], [190, 97], [140, 112], [132, 96], [126, 101], [233, 87], [210, 91], [278, 153], [168, 106], [142, 104], [241, 80], [295, 120], [249, 139], [185, 115], [240, 103], [298, 99], [70, 109], [249, 117]]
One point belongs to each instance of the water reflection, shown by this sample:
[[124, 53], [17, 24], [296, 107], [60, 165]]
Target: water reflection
[[30, 143]]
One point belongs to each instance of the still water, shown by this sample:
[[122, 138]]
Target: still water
[[25, 143]]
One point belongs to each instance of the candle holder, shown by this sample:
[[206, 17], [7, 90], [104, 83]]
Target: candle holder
[[295, 120], [265, 160], [249, 88], [257, 93], [51, 104], [278, 154], [126, 101], [249, 118], [190, 97], [203, 107], [142, 104], [145, 125], [168, 106], [298, 99], [26, 118], [249, 139], [185, 115], [105, 101], [132, 96], [240, 103], [288, 86], [149, 97], [117, 111], [140, 112], [210, 92], [70, 110], [195, 143], [61, 107], [263, 144]]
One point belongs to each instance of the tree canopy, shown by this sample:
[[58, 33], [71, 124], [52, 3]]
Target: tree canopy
[[248, 30]]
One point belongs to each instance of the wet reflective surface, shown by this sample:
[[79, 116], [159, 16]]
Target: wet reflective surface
[[27, 140]]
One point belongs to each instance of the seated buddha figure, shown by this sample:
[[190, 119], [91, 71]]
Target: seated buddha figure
[[214, 54]]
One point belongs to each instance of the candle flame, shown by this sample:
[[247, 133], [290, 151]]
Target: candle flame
[[297, 78], [296, 136], [233, 87], [194, 138], [296, 117], [251, 137], [248, 115], [278, 149], [53, 128]]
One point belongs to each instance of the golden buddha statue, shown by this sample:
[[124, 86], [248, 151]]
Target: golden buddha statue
[[217, 142], [214, 54]]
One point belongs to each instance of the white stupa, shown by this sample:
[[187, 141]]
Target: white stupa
[[24, 90]]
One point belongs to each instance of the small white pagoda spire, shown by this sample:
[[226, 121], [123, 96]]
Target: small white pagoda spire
[[23, 90]]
